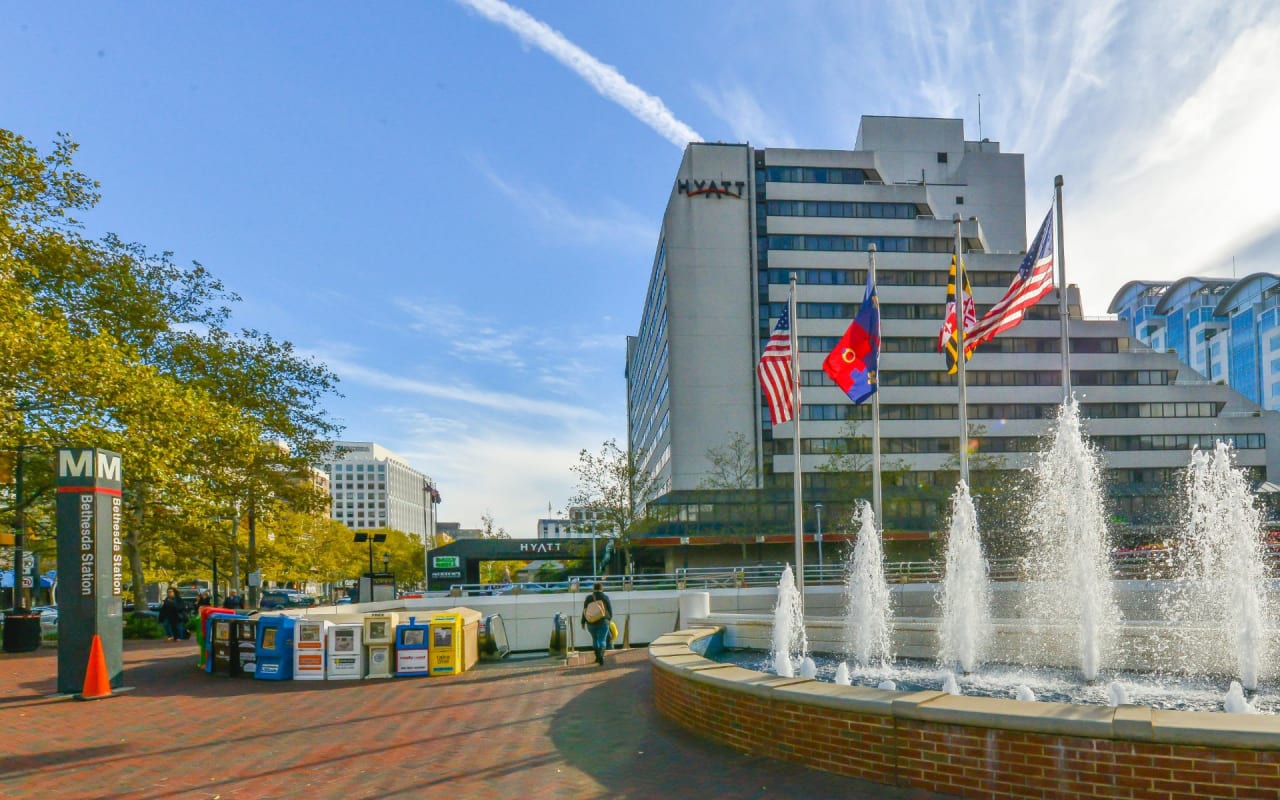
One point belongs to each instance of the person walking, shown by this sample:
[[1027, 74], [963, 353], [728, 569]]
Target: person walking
[[204, 599], [234, 600], [597, 614], [173, 615]]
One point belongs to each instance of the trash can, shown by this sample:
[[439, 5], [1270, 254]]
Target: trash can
[[21, 631], [558, 645]]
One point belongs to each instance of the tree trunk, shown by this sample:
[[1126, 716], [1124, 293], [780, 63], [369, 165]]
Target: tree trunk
[[135, 568], [133, 539]]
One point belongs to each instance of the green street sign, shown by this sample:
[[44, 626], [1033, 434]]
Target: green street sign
[[445, 562]]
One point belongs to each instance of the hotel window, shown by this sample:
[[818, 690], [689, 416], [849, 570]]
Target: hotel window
[[942, 158]]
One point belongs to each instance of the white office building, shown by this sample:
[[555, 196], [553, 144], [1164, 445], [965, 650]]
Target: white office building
[[372, 487], [741, 220]]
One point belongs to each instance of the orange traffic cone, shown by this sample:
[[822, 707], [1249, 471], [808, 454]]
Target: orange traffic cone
[[96, 682]]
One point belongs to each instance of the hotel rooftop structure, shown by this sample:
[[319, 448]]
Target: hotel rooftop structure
[[741, 220]]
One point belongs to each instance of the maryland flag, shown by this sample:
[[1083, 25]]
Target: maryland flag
[[947, 337]]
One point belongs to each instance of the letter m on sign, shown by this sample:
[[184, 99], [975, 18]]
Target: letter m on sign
[[108, 467], [73, 464]]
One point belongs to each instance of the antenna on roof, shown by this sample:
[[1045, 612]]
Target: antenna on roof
[[979, 116], [1233, 266]]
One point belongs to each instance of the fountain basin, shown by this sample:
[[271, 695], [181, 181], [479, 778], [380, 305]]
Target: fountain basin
[[971, 746]]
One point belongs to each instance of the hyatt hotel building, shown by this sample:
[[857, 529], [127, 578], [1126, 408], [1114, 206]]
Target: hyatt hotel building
[[740, 221]]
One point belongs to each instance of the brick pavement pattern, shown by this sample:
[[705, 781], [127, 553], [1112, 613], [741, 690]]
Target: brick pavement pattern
[[529, 728]]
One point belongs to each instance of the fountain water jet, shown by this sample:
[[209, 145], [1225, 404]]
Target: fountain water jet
[[868, 621], [790, 643], [1221, 599], [1068, 568], [966, 593]]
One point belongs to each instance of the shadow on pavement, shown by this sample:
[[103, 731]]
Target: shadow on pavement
[[613, 733]]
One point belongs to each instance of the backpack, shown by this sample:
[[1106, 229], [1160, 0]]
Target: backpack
[[595, 611]]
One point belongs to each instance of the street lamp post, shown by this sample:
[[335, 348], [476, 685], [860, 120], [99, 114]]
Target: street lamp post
[[818, 508], [429, 499]]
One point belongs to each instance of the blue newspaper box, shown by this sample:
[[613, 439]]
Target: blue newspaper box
[[275, 649], [412, 648]]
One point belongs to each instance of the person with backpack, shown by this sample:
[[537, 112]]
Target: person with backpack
[[597, 614]]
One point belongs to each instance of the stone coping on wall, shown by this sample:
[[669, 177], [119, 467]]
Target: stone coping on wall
[[677, 653]]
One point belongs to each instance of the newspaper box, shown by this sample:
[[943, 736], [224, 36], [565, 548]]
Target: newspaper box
[[345, 657], [308, 649], [379, 639], [275, 648], [412, 651], [468, 644], [246, 636]]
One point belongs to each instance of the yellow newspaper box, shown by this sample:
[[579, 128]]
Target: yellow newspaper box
[[469, 645], [446, 633], [455, 645]]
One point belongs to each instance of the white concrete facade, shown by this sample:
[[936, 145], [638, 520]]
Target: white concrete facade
[[739, 221], [372, 487]]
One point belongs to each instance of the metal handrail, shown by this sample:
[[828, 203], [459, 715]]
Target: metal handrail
[[1133, 565]]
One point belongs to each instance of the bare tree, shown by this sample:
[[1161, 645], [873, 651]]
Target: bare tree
[[616, 493]]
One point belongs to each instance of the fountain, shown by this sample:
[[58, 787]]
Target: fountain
[[1210, 620], [1067, 569], [966, 594], [868, 623], [1142, 653], [790, 644], [1220, 604]]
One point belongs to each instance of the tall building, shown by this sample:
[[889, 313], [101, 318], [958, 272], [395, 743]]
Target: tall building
[[373, 487], [740, 221], [1223, 328]]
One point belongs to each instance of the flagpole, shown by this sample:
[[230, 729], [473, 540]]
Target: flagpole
[[960, 359], [1062, 294], [795, 440], [875, 404]]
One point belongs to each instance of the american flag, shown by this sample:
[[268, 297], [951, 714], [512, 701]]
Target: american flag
[[1033, 280], [774, 370], [948, 337]]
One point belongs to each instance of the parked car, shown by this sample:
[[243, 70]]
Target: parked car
[[284, 598], [48, 618]]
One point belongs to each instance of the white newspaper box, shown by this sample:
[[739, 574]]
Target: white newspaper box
[[379, 639], [345, 656], [308, 649]]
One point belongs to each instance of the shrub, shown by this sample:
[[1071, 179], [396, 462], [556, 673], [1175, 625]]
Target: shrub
[[140, 626]]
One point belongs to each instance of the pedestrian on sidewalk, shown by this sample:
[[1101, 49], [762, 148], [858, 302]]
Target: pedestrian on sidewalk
[[597, 614], [234, 600], [173, 615]]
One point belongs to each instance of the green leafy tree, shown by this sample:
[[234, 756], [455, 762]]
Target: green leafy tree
[[616, 492], [114, 346]]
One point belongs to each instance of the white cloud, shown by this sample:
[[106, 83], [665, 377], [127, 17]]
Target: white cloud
[[1192, 189], [603, 78], [513, 471], [748, 122], [473, 397], [549, 353], [622, 228]]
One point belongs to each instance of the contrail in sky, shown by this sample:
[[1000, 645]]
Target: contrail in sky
[[605, 79]]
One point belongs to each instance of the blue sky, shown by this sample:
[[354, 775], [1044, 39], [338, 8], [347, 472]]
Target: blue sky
[[455, 204]]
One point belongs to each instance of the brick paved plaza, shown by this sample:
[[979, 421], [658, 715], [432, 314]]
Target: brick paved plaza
[[529, 728]]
